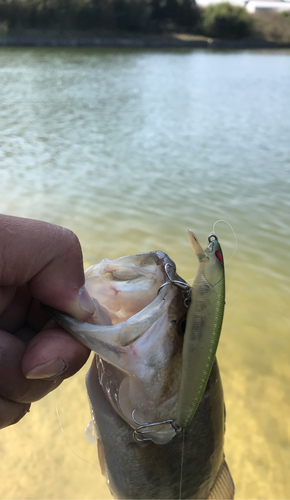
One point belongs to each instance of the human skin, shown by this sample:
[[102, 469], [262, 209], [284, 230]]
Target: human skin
[[39, 263]]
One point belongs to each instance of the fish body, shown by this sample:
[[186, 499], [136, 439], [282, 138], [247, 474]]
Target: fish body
[[133, 384], [191, 465]]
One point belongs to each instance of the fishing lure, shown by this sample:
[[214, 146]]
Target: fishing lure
[[203, 327]]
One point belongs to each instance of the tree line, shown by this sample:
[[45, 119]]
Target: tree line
[[147, 16], [221, 20]]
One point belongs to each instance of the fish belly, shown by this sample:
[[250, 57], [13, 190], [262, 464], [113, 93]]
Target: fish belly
[[191, 465]]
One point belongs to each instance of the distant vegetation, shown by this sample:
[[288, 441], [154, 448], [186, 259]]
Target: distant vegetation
[[146, 16], [272, 26], [222, 20], [225, 20]]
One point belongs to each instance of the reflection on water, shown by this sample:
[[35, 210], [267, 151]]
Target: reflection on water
[[129, 149]]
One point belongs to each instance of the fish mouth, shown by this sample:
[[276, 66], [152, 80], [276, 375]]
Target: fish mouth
[[129, 295], [139, 307], [126, 286]]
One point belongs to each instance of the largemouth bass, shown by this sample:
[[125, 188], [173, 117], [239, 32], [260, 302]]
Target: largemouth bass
[[133, 384]]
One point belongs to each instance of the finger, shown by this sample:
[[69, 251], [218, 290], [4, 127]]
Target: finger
[[37, 318], [23, 311], [14, 316], [6, 296], [11, 412], [50, 261], [53, 354], [13, 384]]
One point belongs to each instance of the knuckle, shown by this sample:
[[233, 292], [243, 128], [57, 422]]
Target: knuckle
[[71, 244], [12, 412]]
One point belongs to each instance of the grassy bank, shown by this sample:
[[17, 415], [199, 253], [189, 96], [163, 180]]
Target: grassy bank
[[124, 41]]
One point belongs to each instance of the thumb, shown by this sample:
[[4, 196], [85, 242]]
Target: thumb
[[49, 259]]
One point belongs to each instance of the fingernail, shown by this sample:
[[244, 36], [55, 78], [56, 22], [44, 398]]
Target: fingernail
[[52, 369], [85, 300]]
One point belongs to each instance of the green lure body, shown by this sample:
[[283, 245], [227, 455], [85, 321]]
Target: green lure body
[[203, 327]]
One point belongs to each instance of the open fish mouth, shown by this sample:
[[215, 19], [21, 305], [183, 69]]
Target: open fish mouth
[[137, 332], [127, 285]]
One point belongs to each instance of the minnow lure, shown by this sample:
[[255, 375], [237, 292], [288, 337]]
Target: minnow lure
[[203, 327]]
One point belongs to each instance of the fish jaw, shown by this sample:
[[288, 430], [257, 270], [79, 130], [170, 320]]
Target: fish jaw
[[140, 352], [146, 377], [150, 383]]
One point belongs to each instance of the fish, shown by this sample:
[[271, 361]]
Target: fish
[[137, 334]]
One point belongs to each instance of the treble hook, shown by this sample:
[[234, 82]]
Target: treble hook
[[139, 430], [180, 284]]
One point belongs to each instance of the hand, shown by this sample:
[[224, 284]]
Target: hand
[[39, 263]]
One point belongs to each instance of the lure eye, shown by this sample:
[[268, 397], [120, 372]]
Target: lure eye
[[219, 256]]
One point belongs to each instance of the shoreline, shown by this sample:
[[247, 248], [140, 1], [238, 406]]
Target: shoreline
[[134, 43]]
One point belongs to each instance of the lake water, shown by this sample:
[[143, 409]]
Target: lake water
[[129, 148]]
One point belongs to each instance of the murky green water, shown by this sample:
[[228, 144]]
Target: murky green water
[[129, 149]]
